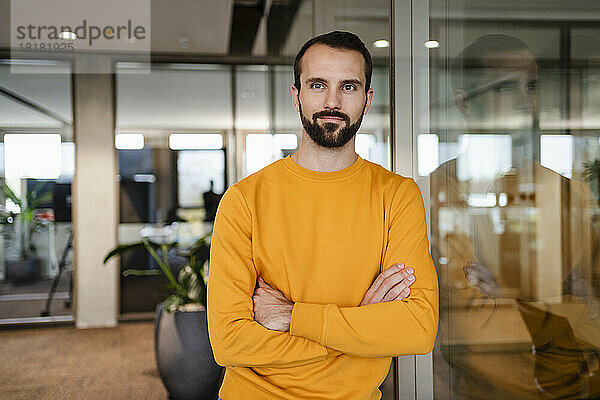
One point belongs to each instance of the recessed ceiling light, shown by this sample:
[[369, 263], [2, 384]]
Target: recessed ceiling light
[[381, 43], [67, 35], [432, 44], [129, 141]]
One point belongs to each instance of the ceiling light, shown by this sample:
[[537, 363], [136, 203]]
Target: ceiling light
[[191, 141], [129, 141], [31, 155], [381, 43], [67, 35], [432, 44]]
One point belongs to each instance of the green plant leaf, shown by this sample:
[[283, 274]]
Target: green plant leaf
[[190, 285], [8, 192], [123, 248], [163, 264], [141, 272], [170, 305]]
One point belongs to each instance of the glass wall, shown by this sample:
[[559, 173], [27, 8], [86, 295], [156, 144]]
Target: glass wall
[[36, 170], [170, 128], [510, 164]]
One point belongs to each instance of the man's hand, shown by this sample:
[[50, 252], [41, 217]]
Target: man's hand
[[271, 309], [483, 279], [392, 284]]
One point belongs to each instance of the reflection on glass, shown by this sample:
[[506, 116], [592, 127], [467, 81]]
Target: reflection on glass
[[514, 236]]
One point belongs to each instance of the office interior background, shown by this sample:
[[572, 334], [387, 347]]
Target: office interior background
[[493, 108]]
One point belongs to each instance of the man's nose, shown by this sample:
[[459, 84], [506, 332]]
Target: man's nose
[[527, 100], [332, 100]]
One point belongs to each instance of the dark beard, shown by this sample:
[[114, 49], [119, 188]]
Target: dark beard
[[323, 135]]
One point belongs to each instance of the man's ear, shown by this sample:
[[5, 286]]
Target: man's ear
[[460, 99], [295, 101], [369, 100]]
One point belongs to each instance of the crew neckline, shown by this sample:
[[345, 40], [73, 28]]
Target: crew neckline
[[322, 175]]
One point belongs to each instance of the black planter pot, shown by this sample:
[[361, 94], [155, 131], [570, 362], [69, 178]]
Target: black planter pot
[[184, 357], [23, 271]]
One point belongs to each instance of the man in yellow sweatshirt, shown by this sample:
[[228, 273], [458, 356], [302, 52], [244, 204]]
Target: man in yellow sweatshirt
[[320, 269]]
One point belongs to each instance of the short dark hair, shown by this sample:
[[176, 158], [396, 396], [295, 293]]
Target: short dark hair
[[337, 40], [471, 59]]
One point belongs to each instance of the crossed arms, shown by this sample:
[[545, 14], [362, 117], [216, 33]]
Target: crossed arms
[[273, 311], [318, 331]]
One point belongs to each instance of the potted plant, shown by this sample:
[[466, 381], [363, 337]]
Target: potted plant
[[183, 354], [19, 226]]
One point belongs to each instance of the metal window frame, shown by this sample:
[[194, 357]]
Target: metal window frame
[[409, 117]]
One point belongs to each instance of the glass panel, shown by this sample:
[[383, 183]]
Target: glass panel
[[252, 98], [37, 168], [200, 171], [181, 112], [511, 166], [174, 98], [263, 149]]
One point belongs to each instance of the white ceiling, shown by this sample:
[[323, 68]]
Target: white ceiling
[[207, 23]]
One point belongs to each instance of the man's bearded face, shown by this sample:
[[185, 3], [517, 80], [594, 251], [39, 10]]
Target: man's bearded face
[[330, 128]]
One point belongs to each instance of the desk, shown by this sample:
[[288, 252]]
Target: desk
[[585, 329], [506, 328]]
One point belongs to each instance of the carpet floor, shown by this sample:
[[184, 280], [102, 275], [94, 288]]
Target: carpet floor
[[70, 363]]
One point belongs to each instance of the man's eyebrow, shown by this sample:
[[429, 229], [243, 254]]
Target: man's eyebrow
[[313, 79], [352, 81]]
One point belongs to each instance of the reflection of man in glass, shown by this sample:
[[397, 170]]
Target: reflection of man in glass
[[510, 237]]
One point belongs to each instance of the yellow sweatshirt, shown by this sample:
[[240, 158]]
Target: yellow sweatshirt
[[321, 238]]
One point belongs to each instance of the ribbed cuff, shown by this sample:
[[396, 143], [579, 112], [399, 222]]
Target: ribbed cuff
[[308, 321]]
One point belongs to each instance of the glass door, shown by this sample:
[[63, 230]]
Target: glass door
[[510, 166]]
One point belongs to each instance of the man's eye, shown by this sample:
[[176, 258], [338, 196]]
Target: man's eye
[[532, 86], [349, 88], [316, 85], [505, 88]]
